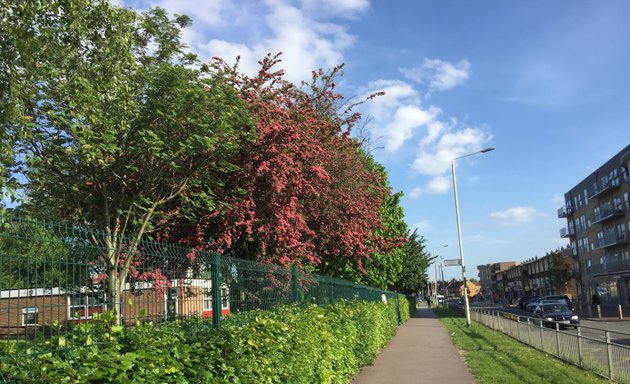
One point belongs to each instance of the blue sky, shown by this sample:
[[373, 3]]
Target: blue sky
[[545, 82]]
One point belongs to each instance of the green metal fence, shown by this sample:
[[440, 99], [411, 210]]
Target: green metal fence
[[55, 281]]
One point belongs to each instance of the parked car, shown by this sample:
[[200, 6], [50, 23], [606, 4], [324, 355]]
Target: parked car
[[524, 300], [563, 298], [560, 313], [541, 300]]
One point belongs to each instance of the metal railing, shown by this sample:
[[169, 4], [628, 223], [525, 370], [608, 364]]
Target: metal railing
[[54, 284], [597, 353]]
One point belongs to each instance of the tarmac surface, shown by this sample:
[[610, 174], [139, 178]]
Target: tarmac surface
[[421, 352]]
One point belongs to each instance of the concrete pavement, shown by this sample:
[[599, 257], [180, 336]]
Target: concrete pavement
[[421, 352]]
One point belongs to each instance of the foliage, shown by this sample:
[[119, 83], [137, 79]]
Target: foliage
[[560, 270], [493, 357], [288, 345], [106, 120], [407, 307], [415, 262], [37, 261], [382, 268], [311, 196]]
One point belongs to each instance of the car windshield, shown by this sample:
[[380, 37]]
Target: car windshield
[[554, 297], [555, 308]]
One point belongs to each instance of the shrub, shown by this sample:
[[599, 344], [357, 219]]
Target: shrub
[[291, 344]]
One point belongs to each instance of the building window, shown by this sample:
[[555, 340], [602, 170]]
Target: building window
[[83, 306], [30, 316], [207, 299]]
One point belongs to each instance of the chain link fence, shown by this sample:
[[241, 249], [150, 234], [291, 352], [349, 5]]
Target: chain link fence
[[56, 280]]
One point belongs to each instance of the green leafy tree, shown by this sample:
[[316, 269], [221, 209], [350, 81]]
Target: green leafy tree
[[560, 272], [381, 269], [32, 257], [106, 120], [415, 263]]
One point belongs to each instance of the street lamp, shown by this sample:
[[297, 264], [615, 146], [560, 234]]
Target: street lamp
[[435, 293], [442, 278], [459, 230]]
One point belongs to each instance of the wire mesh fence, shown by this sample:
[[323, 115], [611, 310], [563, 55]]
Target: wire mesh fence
[[57, 280], [599, 355]]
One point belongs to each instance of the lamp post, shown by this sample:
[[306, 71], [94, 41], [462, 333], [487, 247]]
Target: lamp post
[[442, 278], [435, 273], [459, 230]]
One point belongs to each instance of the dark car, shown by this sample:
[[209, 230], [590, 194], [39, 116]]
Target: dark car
[[524, 300], [531, 306], [560, 313]]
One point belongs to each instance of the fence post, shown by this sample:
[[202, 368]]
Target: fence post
[[331, 291], [599, 311], [542, 340], [529, 336], [579, 340], [609, 353], [620, 311], [558, 338], [216, 290], [397, 308], [294, 284]]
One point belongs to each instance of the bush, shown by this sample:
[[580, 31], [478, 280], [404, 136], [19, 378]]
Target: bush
[[291, 344]]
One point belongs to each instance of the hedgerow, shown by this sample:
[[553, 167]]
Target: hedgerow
[[291, 344]]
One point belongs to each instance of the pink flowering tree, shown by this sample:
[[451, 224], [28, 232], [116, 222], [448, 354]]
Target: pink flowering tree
[[309, 196]]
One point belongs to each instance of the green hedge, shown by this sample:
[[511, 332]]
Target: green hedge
[[288, 345], [407, 305]]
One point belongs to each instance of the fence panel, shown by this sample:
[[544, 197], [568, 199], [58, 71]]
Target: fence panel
[[600, 356], [57, 279]]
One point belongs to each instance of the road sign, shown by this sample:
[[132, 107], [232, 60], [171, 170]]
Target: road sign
[[452, 262]]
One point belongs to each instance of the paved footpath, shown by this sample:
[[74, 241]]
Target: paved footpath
[[421, 352]]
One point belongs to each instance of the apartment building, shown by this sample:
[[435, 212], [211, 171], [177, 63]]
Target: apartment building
[[597, 211], [551, 274], [488, 276]]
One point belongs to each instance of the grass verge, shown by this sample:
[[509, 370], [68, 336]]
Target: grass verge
[[493, 357]]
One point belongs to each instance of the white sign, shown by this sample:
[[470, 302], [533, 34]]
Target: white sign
[[452, 262]]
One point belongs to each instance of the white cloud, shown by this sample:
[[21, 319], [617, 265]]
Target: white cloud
[[339, 8], [398, 114], [406, 118], [517, 215], [434, 157], [437, 185], [440, 75], [203, 12], [272, 26]]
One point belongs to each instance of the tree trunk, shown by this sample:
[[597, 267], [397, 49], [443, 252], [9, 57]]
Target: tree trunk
[[115, 294]]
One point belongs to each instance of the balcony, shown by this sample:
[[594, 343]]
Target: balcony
[[567, 232], [603, 188], [565, 211], [611, 239], [611, 267], [606, 212]]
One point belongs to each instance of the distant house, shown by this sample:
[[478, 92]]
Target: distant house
[[473, 289]]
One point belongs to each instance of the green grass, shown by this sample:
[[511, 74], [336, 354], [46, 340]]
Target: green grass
[[493, 357]]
